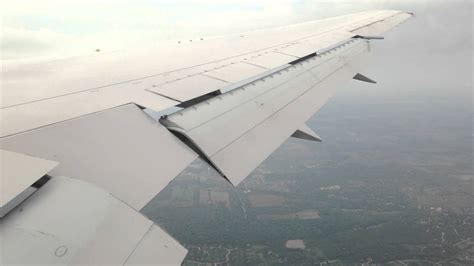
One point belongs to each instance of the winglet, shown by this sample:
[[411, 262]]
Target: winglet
[[361, 77], [304, 132]]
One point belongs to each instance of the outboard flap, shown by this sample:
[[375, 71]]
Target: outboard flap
[[236, 131]]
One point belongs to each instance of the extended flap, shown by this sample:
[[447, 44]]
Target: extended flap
[[122, 150], [234, 132]]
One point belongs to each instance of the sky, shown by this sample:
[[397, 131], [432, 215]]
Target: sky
[[430, 55]]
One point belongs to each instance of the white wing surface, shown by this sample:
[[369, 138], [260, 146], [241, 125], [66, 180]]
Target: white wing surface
[[69, 221], [81, 156]]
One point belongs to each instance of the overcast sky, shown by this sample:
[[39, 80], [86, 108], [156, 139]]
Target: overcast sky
[[429, 55]]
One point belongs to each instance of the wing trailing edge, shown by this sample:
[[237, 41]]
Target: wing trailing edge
[[239, 129]]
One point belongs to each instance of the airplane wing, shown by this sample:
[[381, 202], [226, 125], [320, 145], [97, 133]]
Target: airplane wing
[[82, 152]]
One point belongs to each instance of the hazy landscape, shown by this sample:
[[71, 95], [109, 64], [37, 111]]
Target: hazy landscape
[[392, 182]]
